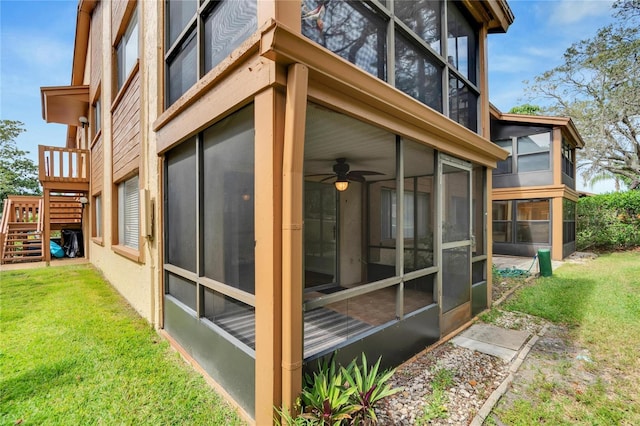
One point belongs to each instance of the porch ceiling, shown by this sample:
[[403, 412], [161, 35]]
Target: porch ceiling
[[331, 135], [64, 104]]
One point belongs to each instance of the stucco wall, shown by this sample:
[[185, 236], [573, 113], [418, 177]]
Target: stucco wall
[[138, 281]]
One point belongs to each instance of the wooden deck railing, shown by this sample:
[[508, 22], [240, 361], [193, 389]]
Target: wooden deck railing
[[63, 164], [21, 208]]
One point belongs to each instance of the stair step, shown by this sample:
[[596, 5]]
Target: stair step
[[23, 259]]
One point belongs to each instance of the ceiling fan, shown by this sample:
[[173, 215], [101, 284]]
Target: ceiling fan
[[343, 175]]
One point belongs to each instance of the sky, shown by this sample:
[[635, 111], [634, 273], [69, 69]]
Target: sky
[[36, 49]]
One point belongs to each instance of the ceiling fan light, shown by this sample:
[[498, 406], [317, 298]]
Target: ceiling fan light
[[341, 185]]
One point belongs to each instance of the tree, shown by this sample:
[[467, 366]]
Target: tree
[[18, 174], [526, 109], [598, 85]]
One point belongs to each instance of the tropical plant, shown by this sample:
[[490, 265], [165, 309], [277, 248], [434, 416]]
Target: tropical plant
[[371, 387], [326, 399], [340, 396]]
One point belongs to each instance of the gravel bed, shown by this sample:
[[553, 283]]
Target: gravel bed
[[475, 377]]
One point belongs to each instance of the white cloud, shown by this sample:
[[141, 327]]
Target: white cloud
[[570, 12]]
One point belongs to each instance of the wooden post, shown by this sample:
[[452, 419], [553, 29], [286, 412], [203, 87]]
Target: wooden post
[[47, 226], [269, 107], [292, 207]]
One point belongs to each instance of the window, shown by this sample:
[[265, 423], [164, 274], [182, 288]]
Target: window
[[567, 159], [533, 152], [463, 103], [97, 210], [478, 219], [128, 213], [418, 74], [209, 225], [532, 221], [180, 192], [416, 212], [502, 221], [203, 35], [97, 117], [127, 50], [423, 18], [353, 30], [229, 241], [461, 44], [568, 221], [529, 153], [358, 32]]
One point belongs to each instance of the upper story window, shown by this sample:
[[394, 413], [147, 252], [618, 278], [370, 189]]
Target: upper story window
[[529, 153], [199, 37], [127, 50], [96, 111], [427, 49], [533, 152], [567, 159]]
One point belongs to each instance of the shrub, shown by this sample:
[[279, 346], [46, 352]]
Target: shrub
[[609, 221], [341, 396]]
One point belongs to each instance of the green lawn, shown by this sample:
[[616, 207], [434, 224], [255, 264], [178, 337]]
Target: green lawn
[[599, 301], [73, 352]]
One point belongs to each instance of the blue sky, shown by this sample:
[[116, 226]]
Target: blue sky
[[36, 49]]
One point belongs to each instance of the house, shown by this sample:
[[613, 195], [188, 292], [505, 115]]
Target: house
[[275, 181], [534, 188]]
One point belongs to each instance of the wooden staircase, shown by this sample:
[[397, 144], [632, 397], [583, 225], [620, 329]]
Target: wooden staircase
[[22, 227], [21, 230], [23, 243]]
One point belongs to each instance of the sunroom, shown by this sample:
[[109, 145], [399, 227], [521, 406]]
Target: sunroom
[[311, 208]]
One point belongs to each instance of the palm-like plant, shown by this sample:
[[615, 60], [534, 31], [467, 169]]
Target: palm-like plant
[[326, 399], [370, 387]]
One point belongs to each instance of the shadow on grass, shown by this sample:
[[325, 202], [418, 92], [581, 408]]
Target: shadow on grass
[[38, 382], [557, 299]]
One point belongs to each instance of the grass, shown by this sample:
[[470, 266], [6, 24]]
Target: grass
[[435, 406], [599, 302], [73, 352]]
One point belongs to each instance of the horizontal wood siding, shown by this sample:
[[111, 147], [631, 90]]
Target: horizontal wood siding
[[126, 131], [96, 50], [97, 167]]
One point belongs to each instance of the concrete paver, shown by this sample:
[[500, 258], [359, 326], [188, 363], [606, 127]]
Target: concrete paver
[[492, 340], [487, 333]]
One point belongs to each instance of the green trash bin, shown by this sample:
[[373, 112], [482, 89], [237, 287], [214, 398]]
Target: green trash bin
[[544, 261]]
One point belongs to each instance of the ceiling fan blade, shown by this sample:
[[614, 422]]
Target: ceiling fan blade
[[365, 172], [355, 178], [330, 177], [320, 174]]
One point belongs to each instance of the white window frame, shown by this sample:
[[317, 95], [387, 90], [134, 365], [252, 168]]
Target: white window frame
[[129, 213], [97, 206]]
